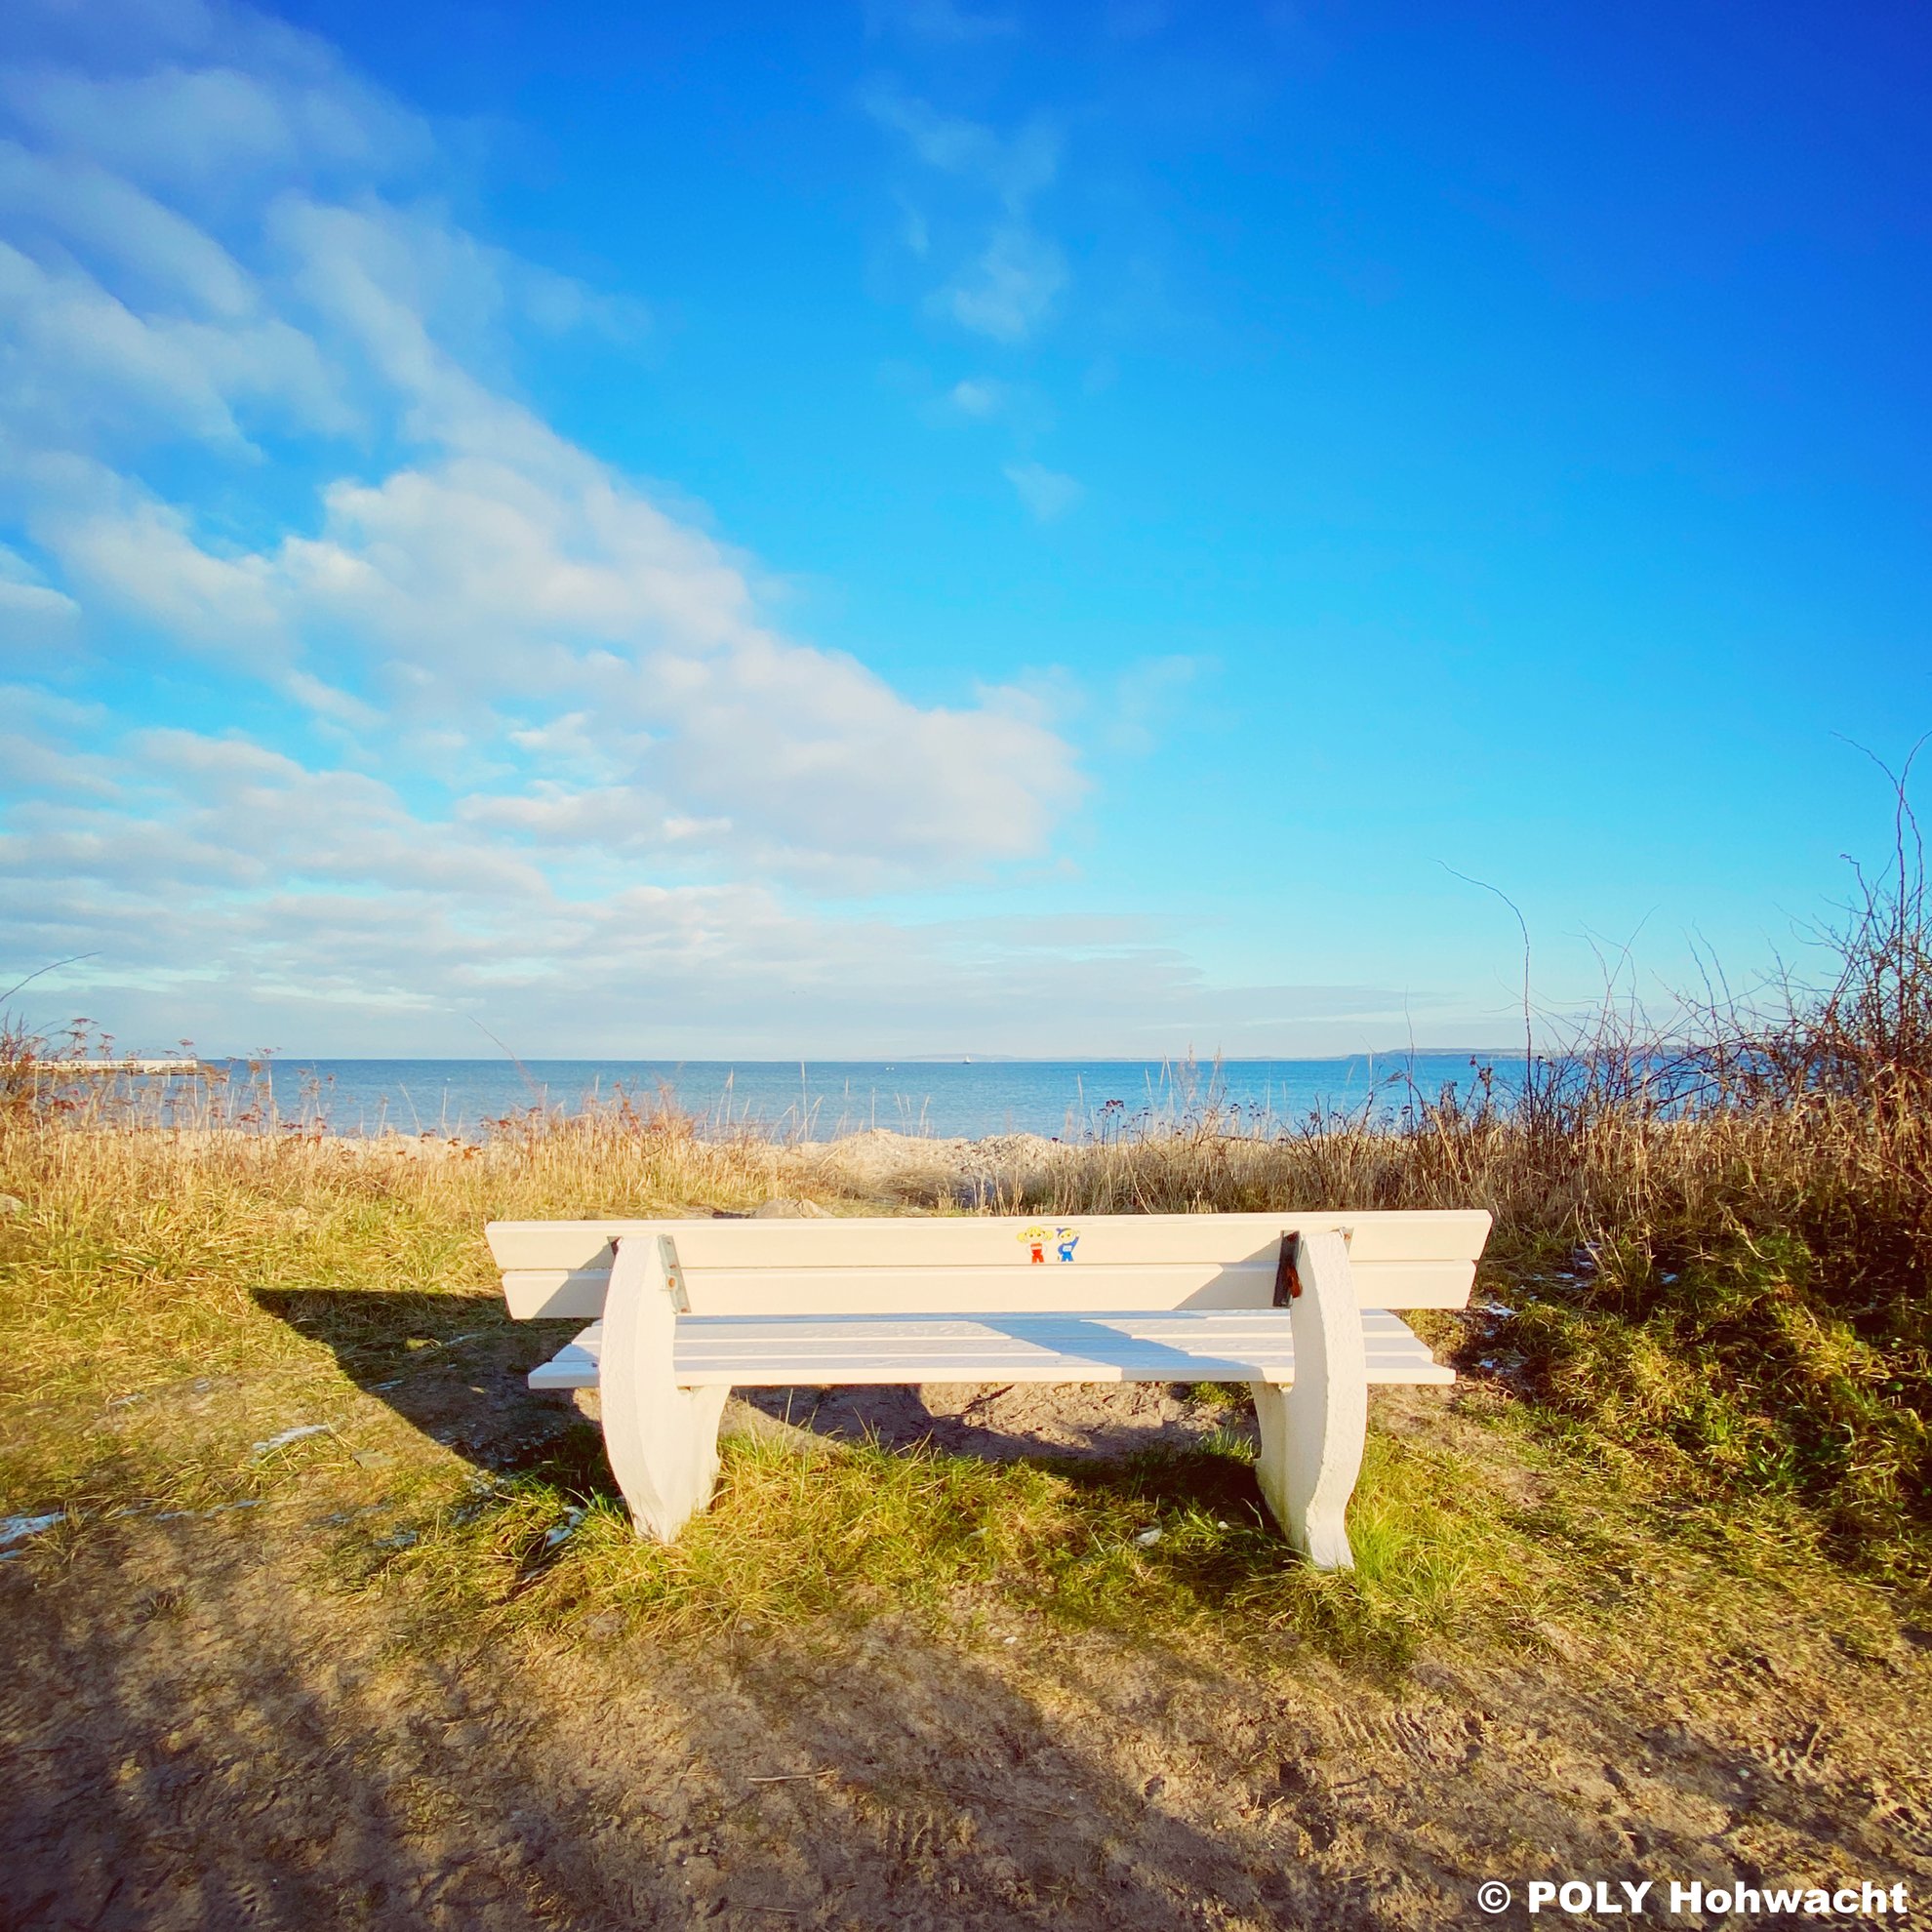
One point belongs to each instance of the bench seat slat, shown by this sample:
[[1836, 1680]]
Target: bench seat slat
[[1210, 1346]]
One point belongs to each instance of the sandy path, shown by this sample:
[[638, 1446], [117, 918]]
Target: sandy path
[[199, 1735]]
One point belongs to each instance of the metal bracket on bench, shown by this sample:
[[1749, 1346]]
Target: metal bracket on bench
[[1287, 1284], [680, 1299]]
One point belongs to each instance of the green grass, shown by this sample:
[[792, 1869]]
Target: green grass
[[1725, 1369], [1162, 1547]]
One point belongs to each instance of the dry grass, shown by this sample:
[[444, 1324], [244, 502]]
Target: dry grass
[[162, 1294], [137, 1249]]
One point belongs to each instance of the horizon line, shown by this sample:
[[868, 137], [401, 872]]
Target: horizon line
[[286, 1056]]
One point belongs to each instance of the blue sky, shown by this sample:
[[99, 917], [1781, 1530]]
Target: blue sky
[[916, 527]]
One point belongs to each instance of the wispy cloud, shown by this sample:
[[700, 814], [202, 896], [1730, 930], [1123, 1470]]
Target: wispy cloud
[[1015, 166], [978, 396], [1010, 288], [1047, 492], [203, 100], [1012, 276], [31, 611], [1146, 695], [944, 22]]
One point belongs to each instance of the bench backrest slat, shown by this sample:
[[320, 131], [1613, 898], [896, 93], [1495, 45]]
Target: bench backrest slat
[[984, 1263]]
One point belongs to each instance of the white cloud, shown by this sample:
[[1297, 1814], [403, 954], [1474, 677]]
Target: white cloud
[[467, 590], [37, 604], [1047, 492], [143, 555], [193, 811], [496, 578], [239, 897]]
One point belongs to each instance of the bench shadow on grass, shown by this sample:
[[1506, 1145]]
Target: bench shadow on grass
[[452, 1367]]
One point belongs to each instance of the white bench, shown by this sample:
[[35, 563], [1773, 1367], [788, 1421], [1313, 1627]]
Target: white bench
[[1295, 1305]]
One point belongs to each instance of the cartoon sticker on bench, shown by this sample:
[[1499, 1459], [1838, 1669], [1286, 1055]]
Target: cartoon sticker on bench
[[1065, 1240]]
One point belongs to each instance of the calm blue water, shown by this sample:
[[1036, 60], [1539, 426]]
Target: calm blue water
[[1067, 1099]]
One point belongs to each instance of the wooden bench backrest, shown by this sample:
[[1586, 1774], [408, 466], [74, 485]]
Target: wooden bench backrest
[[981, 1265]]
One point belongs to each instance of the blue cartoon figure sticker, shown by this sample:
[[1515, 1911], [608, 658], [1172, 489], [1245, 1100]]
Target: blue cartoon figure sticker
[[1066, 1240]]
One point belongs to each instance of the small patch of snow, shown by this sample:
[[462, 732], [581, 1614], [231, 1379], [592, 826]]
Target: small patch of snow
[[289, 1436], [175, 1516], [15, 1529], [563, 1530]]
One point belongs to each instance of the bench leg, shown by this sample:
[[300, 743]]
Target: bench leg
[[1313, 1431], [663, 1440]]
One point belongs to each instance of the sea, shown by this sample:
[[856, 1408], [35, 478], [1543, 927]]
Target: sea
[[1072, 1100]]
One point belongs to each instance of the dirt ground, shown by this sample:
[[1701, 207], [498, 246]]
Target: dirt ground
[[201, 1731]]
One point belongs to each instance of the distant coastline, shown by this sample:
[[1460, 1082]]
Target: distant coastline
[[290, 1056]]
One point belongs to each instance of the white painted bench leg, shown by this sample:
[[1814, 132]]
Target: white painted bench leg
[[663, 1440], [1312, 1432]]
